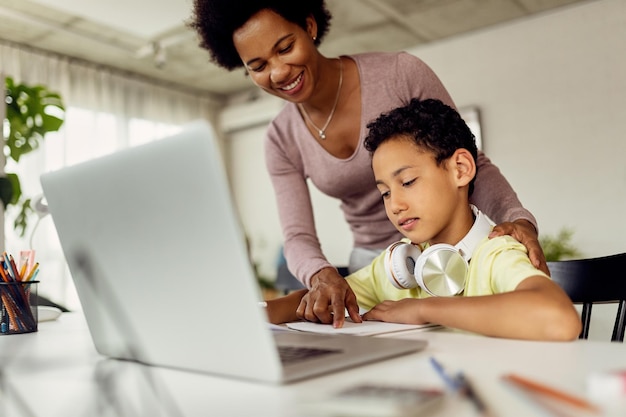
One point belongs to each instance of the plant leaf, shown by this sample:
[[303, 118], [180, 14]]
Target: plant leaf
[[31, 112]]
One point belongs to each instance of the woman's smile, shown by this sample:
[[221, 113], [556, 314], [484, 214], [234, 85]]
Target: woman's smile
[[293, 87]]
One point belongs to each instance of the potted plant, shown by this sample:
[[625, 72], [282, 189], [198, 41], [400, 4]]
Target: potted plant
[[31, 113], [558, 247]]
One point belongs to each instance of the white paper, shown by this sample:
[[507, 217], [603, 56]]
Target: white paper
[[366, 328]]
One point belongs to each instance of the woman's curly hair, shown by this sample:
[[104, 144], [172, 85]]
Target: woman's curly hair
[[217, 20]]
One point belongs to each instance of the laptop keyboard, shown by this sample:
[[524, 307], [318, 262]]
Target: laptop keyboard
[[291, 354]]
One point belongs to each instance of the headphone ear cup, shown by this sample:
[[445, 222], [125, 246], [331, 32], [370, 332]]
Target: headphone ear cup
[[441, 270], [400, 259]]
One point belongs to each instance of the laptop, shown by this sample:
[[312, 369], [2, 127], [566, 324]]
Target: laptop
[[160, 264]]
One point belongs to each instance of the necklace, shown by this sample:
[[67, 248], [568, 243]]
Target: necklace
[[322, 132]]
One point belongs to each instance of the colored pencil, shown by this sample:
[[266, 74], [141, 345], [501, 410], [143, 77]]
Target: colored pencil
[[547, 391], [32, 272]]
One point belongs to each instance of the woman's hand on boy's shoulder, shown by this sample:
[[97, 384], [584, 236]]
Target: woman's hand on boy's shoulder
[[524, 232]]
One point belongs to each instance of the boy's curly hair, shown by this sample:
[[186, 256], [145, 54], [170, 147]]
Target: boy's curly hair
[[429, 124], [217, 20]]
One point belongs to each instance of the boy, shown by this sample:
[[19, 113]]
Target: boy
[[424, 162]]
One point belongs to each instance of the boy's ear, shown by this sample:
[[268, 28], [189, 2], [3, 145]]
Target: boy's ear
[[465, 166]]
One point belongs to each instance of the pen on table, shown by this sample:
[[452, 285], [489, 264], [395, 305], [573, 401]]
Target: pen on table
[[450, 382], [546, 391], [462, 385], [467, 388]]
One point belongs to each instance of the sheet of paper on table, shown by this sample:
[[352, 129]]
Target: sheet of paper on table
[[366, 328]]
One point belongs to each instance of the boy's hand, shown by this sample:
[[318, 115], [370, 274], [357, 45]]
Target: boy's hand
[[402, 311], [283, 309], [524, 232], [327, 300]]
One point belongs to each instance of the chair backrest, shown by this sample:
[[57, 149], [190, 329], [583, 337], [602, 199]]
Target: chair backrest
[[594, 280]]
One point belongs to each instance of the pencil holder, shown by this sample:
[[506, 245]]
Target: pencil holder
[[18, 307]]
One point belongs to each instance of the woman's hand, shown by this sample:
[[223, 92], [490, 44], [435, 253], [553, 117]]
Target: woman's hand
[[327, 300], [524, 232]]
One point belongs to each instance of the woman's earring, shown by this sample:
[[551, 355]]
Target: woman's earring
[[314, 38]]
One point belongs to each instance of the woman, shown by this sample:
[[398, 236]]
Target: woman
[[319, 134]]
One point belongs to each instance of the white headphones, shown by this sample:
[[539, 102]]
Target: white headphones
[[441, 269]]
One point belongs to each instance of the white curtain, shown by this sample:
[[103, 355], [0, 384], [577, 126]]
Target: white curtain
[[106, 110]]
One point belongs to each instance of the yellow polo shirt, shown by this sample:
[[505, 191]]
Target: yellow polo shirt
[[498, 265]]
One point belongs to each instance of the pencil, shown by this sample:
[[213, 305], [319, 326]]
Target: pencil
[[537, 388], [3, 274], [16, 273], [22, 271], [32, 272]]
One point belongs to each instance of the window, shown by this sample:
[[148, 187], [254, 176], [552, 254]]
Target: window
[[86, 134]]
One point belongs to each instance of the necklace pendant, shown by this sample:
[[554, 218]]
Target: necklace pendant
[[321, 133]]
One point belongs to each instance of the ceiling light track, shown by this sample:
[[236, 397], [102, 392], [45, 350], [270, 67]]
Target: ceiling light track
[[395, 16], [54, 26]]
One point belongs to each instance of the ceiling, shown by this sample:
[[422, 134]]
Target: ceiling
[[150, 37]]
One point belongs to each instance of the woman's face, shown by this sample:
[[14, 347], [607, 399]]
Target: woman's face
[[279, 55]]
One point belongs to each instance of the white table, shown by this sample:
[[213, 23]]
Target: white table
[[57, 372]]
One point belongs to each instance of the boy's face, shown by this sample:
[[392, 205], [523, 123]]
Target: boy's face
[[426, 202]]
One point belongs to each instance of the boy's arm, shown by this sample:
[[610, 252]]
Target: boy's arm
[[537, 309], [283, 309]]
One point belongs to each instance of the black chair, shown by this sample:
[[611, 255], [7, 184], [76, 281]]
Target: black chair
[[591, 281]]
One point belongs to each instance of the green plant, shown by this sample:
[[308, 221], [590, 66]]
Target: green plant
[[559, 246], [31, 113]]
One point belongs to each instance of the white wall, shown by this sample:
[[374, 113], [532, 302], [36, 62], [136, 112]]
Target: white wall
[[552, 94], [254, 196]]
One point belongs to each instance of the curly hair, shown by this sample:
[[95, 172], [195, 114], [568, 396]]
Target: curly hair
[[217, 20], [429, 124]]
